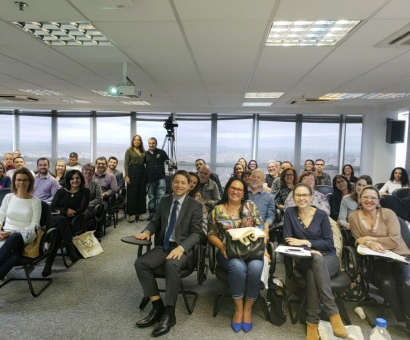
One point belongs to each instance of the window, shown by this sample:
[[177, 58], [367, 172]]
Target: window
[[6, 135], [113, 138], [35, 139], [276, 141], [74, 135], [194, 141], [353, 143], [150, 129], [321, 140]]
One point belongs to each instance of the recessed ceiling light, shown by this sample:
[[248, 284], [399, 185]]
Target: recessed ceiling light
[[106, 94], [257, 104], [134, 102], [42, 92], [385, 95], [309, 33], [81, 33], [74, 101], [263, 94], [338, 96]]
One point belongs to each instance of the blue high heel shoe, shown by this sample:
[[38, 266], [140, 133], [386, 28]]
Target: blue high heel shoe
[[236, 326], [247, 326]]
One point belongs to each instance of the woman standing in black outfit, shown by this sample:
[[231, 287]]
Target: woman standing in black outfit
[[135, 176], [68, 202]]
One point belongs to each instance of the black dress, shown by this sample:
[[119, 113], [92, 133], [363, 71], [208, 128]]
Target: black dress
[[134, 166]]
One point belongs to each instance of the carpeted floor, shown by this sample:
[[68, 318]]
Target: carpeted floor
[[98, 298]]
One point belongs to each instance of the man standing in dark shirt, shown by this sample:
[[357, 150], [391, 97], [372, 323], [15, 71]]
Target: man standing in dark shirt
[[155, 159]]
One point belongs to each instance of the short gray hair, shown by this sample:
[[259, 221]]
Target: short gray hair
[[88, 165], [259, 170], [271, 161]]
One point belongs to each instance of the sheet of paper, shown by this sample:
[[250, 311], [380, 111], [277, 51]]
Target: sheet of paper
[[363, 250], [293, 251]]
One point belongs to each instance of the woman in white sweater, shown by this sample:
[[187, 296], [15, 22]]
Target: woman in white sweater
[[19, 215], [398, 179]]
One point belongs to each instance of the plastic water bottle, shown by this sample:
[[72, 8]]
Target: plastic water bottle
[[380, 332]]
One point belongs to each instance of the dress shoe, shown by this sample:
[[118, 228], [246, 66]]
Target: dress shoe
[[339, 330], [164, 325], [247, 326], [236, 326], [153, 317], [131, 219]]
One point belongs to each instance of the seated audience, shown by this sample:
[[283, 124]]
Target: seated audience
[[45, 185], [341, 188], [309, 165], [244, 275], [8, 161], [68, 202], [209, 189], [243, 162], [20, 213], [252, 165], [272, 174], [238, 170], [263, 200], [178, 236], [198, 163], [322, 177], [398, 179], [60, 171], [18, 163], [288, 180], [16, 153], [379, 229], [350, 203], [247, 177], [5, 181], [319, 200], [95, 195], [348, 172], [306, 226], [112, 168], [73, 162]]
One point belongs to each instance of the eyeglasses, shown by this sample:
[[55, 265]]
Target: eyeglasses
[[320, 164], [308, 179], [289, 175], [233, 189], [88, 170], [340, 182], [304, 196], [22, 180], [368, 198]]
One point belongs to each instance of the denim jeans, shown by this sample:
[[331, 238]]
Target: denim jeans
[[155, 192], [10, 253], [242, 273]]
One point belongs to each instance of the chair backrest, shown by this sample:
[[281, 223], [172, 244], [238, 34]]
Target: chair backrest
[[402, 193], [98, 211], [3, 193], [405, 208], [324, 189], [45, 218], [391, 202], [379, 185], [405, 232]]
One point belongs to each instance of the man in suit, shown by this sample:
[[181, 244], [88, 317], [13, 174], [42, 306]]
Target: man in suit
[[177, 223]]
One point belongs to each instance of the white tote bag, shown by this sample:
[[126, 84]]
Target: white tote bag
[[87, 244]]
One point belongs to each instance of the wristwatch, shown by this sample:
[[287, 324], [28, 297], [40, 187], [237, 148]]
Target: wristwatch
[[309, 244]]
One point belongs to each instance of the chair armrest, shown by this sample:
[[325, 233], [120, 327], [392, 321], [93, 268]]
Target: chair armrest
[[48, 241], [77, 224], [350, 262], [212, 257], [270, 248]]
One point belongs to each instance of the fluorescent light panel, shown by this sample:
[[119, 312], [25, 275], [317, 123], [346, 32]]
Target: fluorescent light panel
[[106, 94], [42, 92], [386, 95], [80, 33], [309, 33], [134, 102], [339, 96], [257, 104], [74, 101], [263, 94]]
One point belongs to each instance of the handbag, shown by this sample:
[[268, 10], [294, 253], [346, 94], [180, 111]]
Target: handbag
[[245, 243], [32, 249], [87, 244]]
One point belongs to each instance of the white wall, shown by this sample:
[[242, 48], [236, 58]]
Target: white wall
[[378, 157]]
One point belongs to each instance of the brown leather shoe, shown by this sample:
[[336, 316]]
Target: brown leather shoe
[[339, 330], [312, 332], [131, 219]]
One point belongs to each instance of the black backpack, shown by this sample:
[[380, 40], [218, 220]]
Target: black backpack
[[276, 301]]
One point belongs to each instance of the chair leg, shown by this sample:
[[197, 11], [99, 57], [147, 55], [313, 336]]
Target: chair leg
[[66, 264], [185, 293], [144, 302], [219, 300], [30, 284], [342, 309], [295, 318]]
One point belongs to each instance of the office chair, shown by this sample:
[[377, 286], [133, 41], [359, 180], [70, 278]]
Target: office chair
[[402, 193], [324, 189], [391, 202]]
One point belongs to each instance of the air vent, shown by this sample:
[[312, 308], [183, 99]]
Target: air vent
[[399, 39], [19, 99], [309, 101]]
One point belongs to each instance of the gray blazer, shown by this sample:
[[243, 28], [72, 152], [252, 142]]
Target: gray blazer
[[188, 227], [95, 193]]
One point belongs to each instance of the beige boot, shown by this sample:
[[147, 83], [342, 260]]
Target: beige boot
[[312, 332], [339, 330]]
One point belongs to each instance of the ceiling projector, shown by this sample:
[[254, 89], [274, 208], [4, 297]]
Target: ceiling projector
[[124, 90]]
